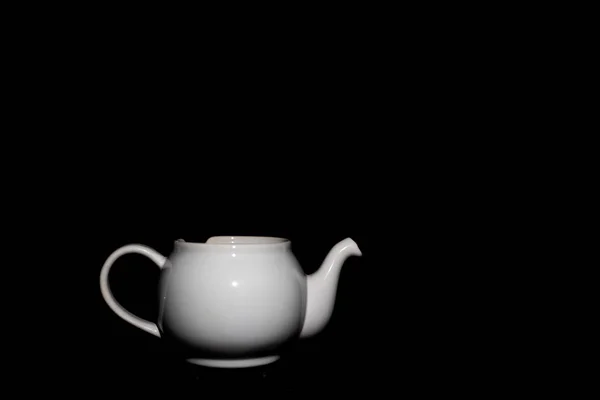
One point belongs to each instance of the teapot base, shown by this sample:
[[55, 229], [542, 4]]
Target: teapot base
[[239, 363]]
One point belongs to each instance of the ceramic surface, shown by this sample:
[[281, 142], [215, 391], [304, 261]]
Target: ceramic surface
[[235, 301]]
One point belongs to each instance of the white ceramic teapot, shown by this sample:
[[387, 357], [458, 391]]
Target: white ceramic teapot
[[235, 301]]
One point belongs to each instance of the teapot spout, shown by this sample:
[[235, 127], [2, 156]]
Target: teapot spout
[[322, 287]]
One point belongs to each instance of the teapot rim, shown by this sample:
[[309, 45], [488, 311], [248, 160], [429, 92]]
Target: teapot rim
[[245, 241]]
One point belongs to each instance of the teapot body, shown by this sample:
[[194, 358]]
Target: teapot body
[[229, 303]]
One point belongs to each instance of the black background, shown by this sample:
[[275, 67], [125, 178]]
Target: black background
[[409, 312], [321, 153], [405, 316]]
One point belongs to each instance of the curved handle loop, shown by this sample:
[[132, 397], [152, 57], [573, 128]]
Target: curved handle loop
[[155, 256]]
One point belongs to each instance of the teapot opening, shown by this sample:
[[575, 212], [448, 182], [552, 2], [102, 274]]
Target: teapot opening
[[245, 240]]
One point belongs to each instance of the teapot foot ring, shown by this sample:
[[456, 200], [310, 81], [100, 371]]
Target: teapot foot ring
[[239, 363]]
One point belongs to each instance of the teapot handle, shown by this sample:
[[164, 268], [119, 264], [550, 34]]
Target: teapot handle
[[155, 256]]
